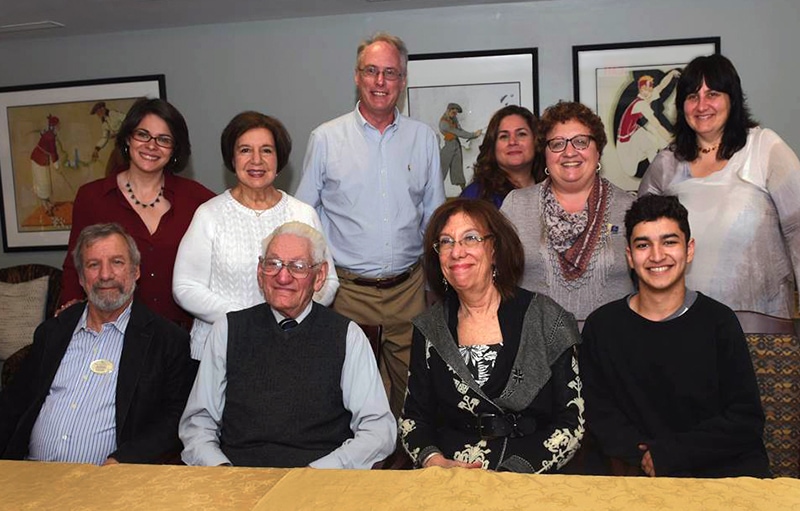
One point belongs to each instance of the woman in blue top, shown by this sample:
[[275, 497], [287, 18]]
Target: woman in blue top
[[507, 159]]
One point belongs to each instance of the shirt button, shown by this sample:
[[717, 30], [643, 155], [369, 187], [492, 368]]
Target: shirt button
[[152, 274], [85, 377], [73, 405], [64, 437]]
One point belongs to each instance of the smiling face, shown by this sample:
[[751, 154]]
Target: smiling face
[[286, 293], [515, 146], [466, 268], [148, 156], [571, 169], [707, 111], [658, 253], [107, 274], [377, 94], [255, 159]]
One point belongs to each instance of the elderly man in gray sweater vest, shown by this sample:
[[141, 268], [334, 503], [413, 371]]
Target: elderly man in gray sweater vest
[[288, 383]]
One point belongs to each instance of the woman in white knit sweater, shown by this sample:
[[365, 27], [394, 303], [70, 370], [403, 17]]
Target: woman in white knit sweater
[[215, 270]]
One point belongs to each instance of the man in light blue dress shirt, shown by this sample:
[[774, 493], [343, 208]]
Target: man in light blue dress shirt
[[105, 382], [374, 177], [291, 383]]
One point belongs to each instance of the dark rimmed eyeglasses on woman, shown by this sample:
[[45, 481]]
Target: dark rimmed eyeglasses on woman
[[390, 74], [298, 269], [144, 136], [579, 142], [446, 244]]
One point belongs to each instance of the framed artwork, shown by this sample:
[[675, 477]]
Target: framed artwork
[[457, 93], [54, 138], [631, 86]]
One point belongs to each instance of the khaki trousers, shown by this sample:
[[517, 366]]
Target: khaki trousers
[[393, 308]]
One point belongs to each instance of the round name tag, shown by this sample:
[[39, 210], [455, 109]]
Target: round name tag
[[101, 366]]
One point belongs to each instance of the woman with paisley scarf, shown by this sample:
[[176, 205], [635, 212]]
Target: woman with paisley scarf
[[571, 224]]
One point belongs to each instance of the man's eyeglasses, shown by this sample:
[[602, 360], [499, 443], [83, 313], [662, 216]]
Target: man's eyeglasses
[[298, 269], [144, 136], [390, 74], [579, 142], [446, 244]]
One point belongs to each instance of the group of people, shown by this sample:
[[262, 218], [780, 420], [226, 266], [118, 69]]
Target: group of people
[[252, 354]]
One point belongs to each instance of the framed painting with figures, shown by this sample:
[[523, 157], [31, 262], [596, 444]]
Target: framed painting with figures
[[631, 86], [54, 138], [457, 93]]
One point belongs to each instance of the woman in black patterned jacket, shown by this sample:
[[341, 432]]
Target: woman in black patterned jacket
[[493, 379]]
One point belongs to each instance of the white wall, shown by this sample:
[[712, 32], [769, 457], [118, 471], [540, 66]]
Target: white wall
[[301, 70]]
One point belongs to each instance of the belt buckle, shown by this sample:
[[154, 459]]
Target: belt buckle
[[481, 432]]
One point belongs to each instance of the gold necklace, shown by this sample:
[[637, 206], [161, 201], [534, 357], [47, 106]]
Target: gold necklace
[[706, 150]]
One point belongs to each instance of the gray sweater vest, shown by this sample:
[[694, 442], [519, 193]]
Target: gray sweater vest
[[283, 403]]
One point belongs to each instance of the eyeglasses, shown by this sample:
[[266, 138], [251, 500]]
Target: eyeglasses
[[144, 136], [579, 142], [298, 269], [446, 244], [390, 74]]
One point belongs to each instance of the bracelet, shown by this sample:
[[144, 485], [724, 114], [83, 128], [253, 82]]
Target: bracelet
[[428, 457]]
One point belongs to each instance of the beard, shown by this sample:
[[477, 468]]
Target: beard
[[110, 295]]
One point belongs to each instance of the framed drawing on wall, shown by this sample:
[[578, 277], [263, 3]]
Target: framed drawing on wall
[[631, 86], [54, 138], [457, 93]]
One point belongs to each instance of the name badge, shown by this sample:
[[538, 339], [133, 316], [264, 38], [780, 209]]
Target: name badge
[[101, 366]]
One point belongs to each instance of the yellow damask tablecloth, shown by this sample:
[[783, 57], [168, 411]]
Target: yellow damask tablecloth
[[45, 486], [32, 485], [443, 489]]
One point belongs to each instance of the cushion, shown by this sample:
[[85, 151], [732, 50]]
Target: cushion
[[22, 310], [776, 360]]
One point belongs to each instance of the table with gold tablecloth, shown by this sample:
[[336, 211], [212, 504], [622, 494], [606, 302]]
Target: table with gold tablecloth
[[31, 485]]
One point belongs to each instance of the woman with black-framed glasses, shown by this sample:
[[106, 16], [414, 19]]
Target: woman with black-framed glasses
[[153, 204], [493, 381], [572, 223]]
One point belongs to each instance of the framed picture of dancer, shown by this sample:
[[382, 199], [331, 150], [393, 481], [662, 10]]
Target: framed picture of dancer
[[54, 138], [631, 86], [457, 93]]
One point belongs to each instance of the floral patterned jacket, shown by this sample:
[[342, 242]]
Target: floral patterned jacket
[[535, 374]]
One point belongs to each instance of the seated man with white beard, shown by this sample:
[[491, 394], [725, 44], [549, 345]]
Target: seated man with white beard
[[106, 381]]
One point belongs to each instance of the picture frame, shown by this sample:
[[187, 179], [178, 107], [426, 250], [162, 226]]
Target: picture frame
[[55, 137], [631, 86], [480, 83]]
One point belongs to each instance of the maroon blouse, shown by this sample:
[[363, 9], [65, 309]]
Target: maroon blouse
[[101, 201]]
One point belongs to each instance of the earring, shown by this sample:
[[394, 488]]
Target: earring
[[494, 273], [599, 168], [125, 150], [446, 284], [546, 171]]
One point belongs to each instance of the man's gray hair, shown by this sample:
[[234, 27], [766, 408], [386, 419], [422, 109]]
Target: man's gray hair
[[301, 230], [92, 233], [386, 37]]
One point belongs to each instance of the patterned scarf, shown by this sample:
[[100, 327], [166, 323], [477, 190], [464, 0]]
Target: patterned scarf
[[574, 236]]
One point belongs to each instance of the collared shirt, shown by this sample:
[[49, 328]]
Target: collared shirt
[[77, 422], [102, 201], [374, 192], [363, 396]]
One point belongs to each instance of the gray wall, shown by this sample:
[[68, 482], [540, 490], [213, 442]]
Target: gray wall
[[300, 70]]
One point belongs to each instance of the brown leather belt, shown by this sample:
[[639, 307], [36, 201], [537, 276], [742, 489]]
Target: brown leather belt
[[388, 282]]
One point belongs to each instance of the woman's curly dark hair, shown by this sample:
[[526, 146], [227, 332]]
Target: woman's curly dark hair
[[491, 179]]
